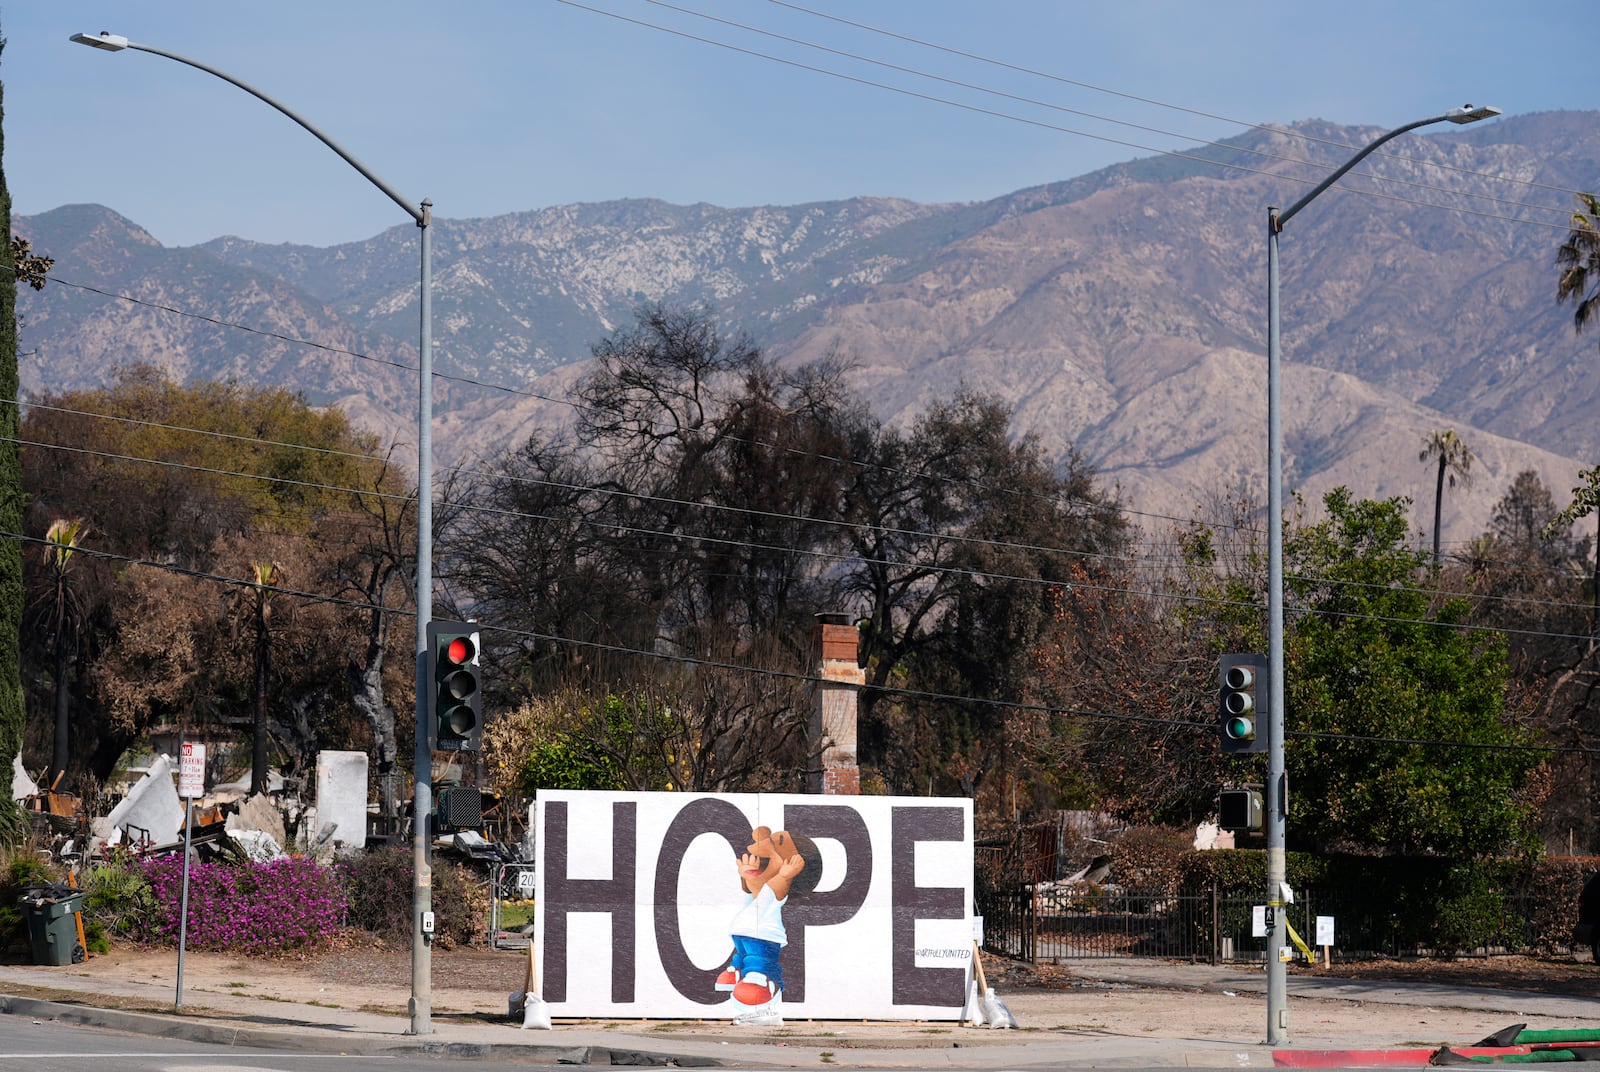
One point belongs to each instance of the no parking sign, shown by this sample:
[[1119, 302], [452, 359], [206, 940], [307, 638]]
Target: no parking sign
[[192, 770]]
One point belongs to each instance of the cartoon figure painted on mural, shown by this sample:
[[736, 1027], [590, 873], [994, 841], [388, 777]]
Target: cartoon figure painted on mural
[[774, 869]]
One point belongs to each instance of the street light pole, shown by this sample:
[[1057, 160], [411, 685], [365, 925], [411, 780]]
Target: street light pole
[[422, 803], [1277, 802]]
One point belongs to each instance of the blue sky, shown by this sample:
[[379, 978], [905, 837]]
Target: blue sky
[[494, 106]]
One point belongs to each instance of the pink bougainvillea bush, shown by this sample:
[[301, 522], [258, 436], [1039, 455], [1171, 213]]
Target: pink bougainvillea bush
[[286, 905]]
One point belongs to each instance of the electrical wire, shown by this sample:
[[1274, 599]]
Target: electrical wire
[[633, 530], [1065, 583], [326, 348], [577, 406], [1136, 558], [569, 403], [1036, 102], [797, 676], [1248, 124], [994, 113]]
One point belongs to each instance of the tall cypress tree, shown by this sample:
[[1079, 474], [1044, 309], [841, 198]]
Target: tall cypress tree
[[11, 711]]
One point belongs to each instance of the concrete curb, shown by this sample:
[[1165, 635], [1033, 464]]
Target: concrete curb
[[787, 1052], [299, 1037]]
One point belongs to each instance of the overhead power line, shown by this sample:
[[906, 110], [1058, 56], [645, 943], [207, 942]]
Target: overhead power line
[[1244, 123], [1065, 583], [995, 113], [1133, 559], [1052, 106], [525, 393], [794, 676]]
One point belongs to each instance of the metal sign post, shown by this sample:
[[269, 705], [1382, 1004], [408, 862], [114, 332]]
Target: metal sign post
[[191, 784]]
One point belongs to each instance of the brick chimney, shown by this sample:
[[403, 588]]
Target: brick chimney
[[833, 710]]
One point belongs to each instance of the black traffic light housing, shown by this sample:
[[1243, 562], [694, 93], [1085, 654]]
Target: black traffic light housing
[[1242, 703], [456, 705], [1239, 810], [459, 807]]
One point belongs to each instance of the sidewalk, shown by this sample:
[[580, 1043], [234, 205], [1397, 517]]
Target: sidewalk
[[1118, 1013]]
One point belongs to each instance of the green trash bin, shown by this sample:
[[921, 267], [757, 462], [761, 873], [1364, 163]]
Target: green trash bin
[[53, 924]]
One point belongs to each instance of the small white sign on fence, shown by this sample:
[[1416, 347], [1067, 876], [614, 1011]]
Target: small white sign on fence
[[1258, 921], [1325, 930]]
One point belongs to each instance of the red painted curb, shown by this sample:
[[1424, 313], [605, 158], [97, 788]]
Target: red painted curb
[[1354, 1058], [1400, 1058]]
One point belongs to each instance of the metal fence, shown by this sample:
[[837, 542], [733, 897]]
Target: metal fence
[[1047, 922], [509, 884]]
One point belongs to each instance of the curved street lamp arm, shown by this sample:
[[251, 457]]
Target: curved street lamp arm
[[1283, 217], [416, 212]]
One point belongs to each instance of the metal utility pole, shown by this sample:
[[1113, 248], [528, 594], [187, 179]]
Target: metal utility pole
[[1277, 803], [421, 1004]]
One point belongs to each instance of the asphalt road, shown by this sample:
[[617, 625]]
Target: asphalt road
[[55, 1046]]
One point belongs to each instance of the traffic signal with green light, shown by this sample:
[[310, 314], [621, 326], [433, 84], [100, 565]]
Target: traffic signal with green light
[[1242, 704], [457, 703]]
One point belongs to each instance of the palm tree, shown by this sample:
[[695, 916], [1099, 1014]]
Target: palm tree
[[1455, 459], [258, 604], [1579, 283], [1579, 261], [61, 541]]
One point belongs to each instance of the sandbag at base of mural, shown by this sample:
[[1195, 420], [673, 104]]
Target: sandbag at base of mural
[[753, 906]]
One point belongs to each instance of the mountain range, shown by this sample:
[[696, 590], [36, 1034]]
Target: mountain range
[[1121, 314]]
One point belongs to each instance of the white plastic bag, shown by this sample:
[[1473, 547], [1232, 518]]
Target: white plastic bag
[[995, 1009]]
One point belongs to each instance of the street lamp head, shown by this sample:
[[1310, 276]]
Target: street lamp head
[[109, 41], [1468, 114]]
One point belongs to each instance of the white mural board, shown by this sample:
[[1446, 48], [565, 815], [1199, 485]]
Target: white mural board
[[645, 905]]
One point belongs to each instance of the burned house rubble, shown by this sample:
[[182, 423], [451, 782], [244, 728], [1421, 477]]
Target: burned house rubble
[[145, 815]]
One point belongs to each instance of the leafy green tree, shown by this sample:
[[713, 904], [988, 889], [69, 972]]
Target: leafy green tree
[[644, 739], [1399, 735]]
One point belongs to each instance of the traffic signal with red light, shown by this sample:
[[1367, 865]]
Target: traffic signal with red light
[[457, 705], [1241, 703]]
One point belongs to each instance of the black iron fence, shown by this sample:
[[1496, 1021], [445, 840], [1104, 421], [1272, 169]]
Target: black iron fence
[[1045, 922]]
